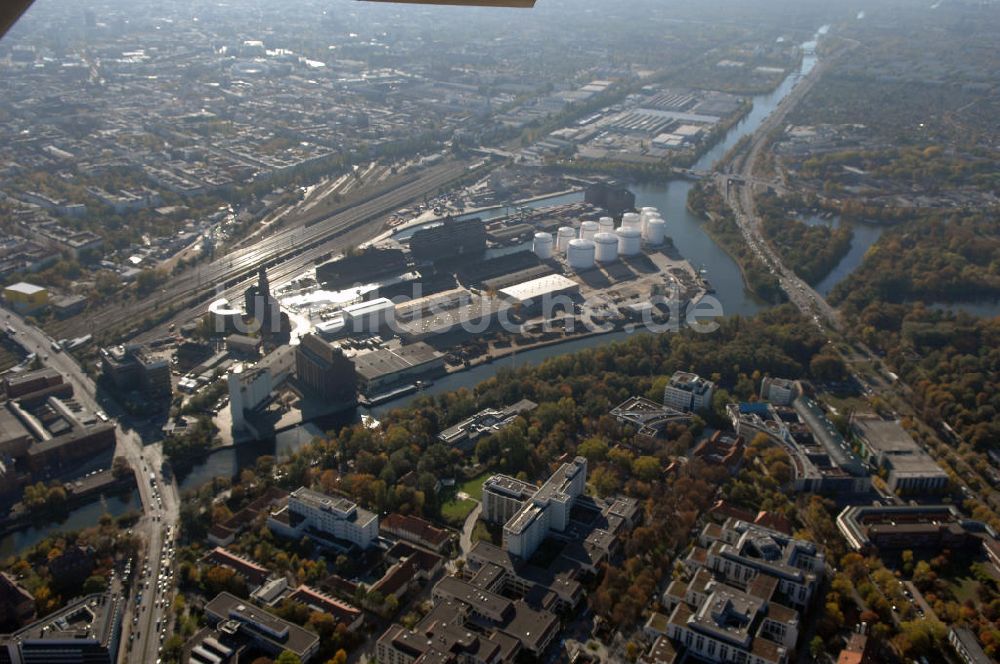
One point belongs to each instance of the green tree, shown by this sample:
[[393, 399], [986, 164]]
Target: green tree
[[95, 584], [595, 449], [173, 647], [646, 468], [816, 647], [827, 366], [120, 467]]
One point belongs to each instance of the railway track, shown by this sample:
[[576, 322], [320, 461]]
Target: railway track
[[309, 239]]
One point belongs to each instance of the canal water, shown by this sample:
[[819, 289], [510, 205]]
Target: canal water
[[980, 308], [864, 236], [82, 517], [685, 230]]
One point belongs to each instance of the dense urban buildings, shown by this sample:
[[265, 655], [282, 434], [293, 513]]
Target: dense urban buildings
[[739, 552], [318, 339], [719, 622]]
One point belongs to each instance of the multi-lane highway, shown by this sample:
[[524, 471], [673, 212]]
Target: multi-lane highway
[[160, 504], [736, 181], [305, 239]]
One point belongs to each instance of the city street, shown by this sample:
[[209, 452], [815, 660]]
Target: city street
[[160, 503]]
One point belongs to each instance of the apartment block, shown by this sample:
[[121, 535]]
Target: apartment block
[[739, 552]]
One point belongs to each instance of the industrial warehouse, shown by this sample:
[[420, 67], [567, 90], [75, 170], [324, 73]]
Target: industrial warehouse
[[525, 279], [387, 319]]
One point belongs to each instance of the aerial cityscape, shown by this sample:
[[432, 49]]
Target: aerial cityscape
[[475, 332]]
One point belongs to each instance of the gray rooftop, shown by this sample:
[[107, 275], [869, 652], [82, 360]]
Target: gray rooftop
[[385, 361]]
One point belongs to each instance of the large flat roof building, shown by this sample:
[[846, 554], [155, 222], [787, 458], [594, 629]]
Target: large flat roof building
[[966, 645], [133, 367], [487, 421], [386, 367], [364, 267], [872, 527], [504, 496], [443, 638], [454, 238], [888, 445], [536, 291], [87, 630], [239, 619], [26, 298]]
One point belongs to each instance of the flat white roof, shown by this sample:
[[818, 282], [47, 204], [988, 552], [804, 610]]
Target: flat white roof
[[553, 283], [688, 130], [25, 288], [361, 308]]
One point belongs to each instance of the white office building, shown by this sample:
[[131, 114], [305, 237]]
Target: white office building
[[547, 510], [321, 516], [779, 391], [504, 496], [248, 390], [718, 622], [688, 392], [739, 552]]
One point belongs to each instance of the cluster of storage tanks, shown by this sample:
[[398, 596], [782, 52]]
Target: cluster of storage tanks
[[600, 241]]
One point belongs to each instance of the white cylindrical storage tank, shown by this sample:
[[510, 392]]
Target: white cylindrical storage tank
[[629, 241], [656, 230], [542, 246], [606, 247], [606, 225], [646, 220], [631, 220], [589, 229], [563, 236], [647, 214], [580, 254]]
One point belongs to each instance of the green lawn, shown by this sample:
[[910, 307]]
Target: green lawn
[[474, 487], [455, 511]]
